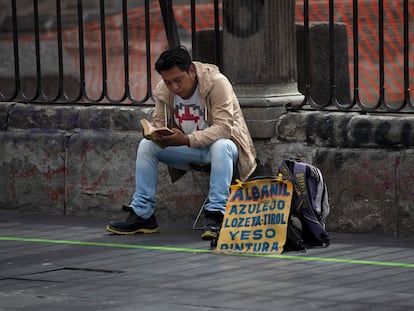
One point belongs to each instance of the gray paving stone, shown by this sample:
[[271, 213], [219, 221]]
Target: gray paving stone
[[63, 276]]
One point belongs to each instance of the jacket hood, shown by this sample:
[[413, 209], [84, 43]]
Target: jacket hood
[[205, 75]]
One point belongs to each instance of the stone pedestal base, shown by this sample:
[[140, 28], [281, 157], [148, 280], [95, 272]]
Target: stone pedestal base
[[263, 104]]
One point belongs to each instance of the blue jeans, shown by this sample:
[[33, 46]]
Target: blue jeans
[[222, 155]]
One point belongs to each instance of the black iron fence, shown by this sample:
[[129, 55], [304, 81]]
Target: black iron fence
[[380, 55], [92, 51], [101, 52]]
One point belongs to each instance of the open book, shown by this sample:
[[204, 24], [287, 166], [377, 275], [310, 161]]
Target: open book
[[149, 129]]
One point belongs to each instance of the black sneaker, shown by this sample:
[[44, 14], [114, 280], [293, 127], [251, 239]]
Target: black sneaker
[[126, 208], [213, 225], [133, 224]]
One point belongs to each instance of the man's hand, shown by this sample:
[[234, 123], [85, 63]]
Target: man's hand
[[176, 139]]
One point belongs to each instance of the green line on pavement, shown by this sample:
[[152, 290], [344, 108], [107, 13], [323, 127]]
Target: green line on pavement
[[199, 250], [105, 244]]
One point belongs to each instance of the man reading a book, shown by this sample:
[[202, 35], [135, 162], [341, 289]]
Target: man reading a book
[[198, 103]]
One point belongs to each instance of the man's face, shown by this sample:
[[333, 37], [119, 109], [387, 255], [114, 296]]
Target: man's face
[[181, 83]]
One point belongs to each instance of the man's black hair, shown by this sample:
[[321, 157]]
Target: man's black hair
[[178, 56]]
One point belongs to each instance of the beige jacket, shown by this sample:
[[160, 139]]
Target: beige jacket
[[222, 112]]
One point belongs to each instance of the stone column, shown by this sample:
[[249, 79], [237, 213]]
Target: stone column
[[259, 57]]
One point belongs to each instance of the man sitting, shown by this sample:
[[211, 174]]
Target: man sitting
[[198, 103]]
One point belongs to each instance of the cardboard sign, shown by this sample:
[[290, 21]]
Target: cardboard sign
[[256, 217]]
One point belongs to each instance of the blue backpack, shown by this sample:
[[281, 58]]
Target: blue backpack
[[309, 207]]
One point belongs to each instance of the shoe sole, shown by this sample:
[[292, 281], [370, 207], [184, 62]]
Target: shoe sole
[[141, 230], [208, 236]]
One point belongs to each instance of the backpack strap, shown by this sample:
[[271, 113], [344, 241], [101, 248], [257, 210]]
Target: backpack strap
[[321, 198], [298, 173], [286, 169]]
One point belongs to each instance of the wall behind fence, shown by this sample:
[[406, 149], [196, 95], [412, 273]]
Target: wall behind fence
[[80, 160]]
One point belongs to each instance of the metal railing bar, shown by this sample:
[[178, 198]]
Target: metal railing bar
[[36, 95], [85, 95], [148, 49], [124, 95], [16, 51], [407, 96], [40, 94], [126, 48], [81, 38], [148, 93], [308, 97], [382, 100], [63, 96], [24, 97], [193, 28], [170, 25], [217, 50], [102, 17], [15, 56], [61, 91], [355, 21], [333, 99], [81, 49], [379, 102], [332, 81]]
